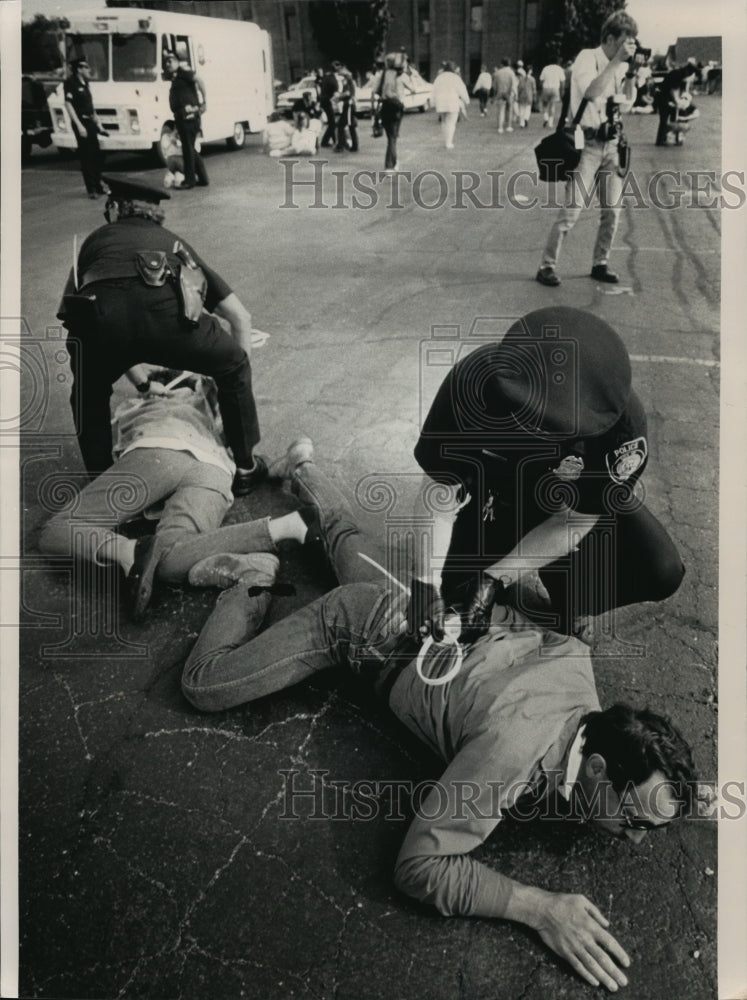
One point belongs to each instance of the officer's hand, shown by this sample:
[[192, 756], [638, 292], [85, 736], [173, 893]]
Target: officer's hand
[[476, 613], [575, 929], [425, 612]]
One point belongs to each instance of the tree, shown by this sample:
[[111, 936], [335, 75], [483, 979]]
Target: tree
[[39, 48], [353, 31], [572, 25]]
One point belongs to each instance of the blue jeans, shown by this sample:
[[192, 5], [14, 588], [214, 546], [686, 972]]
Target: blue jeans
[[358, 624]]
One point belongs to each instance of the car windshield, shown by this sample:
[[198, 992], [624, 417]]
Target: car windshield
[[93, 48], [134, 57]]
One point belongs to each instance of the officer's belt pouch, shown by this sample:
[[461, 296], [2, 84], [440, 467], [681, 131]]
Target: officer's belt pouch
[[78, 310], [153, 267], [192, 288]]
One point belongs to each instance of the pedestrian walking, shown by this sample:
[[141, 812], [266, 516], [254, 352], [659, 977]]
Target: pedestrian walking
[[552, 86], [504, 88], [86, 126], [187, 101], [525, 94], [388, 92], [139, 293], [450, 99], [481, 90]]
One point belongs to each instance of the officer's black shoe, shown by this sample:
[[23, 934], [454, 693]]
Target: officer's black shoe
[[246, 480], [547, 276], [202, 184], [600, 272], [139, 583], [183, 187]]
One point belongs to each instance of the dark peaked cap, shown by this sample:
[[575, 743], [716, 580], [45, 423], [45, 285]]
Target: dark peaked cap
[[124, 188], [558, 371]]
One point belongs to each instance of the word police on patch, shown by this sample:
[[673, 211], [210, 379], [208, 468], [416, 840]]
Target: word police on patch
[[627, 459]]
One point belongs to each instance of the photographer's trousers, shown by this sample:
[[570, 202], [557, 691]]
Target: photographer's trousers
[[597, 170]]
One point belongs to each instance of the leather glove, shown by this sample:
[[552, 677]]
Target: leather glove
[[477, 609], [426, 610]]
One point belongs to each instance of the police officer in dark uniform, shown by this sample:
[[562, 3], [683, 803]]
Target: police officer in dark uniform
[[541, 441], [187, 102], [329, 86], [141, 294], [86, 126]]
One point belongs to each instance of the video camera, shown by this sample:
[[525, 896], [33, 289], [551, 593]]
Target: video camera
[[641, 55]]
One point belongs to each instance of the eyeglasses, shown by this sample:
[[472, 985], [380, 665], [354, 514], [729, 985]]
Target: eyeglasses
[[633, 823]]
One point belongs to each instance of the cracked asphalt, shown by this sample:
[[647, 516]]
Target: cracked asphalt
[[157, 859]]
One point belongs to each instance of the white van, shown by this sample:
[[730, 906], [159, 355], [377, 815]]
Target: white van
[[125, 48]]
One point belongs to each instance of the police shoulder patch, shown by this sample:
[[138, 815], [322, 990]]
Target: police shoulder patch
[[622, 462]]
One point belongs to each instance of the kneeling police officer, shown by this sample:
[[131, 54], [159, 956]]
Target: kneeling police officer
[[139, 293]]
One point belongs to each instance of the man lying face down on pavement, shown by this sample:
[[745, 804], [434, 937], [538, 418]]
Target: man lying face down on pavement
[[170, 451], [516, 719]]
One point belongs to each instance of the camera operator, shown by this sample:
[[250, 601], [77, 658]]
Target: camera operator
[[596, 76]]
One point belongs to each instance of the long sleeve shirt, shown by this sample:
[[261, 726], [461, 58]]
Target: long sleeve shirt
[[507, 719]]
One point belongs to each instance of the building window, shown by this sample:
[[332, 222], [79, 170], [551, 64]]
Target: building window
[[424, 17], [475, 17], [531, 21]]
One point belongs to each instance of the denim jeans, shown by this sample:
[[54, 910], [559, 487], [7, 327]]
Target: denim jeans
[[358, 624], [597, 168], [197, 497]]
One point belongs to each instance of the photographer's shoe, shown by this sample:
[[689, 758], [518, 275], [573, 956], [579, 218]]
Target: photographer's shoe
[[547, 276], [246, 480], [600, 272]]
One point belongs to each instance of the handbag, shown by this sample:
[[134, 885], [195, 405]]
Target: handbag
[[557, 155]]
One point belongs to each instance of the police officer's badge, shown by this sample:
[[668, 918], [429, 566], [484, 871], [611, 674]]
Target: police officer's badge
[[627, 459]]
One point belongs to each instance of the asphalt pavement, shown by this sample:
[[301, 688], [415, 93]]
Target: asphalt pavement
[[155, 859]]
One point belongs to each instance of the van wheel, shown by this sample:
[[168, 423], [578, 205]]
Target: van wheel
[[160, 148], [237, 140], [66, 154]]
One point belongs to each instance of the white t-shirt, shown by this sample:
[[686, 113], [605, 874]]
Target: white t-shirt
[[552, 77]]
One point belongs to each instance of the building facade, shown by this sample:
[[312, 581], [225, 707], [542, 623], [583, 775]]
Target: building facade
[[469, 32]]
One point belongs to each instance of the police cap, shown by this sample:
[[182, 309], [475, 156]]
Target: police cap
[[562, 372], [124, 188]]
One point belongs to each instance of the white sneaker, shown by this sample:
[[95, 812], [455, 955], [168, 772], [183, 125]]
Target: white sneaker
[[500, 130], [450, 145], [509, 129]]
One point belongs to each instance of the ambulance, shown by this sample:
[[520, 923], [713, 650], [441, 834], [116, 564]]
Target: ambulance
[[125, 49]]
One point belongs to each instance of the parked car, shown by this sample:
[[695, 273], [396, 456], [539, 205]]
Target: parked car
[[419, 100], [287, 98], [36, 121]]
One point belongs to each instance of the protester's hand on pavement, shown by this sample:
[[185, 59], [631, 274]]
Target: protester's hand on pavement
[[575, 929]]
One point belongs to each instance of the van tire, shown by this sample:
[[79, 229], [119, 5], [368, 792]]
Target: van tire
[[66, 154], [167, 131], [237, 140]]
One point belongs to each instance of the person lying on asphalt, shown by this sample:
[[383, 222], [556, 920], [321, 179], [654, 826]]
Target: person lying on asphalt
[[514, 715], [170, 450]]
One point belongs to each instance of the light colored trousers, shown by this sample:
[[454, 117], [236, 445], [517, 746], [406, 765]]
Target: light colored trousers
[[197, 497], [597, 170], [448, 126]]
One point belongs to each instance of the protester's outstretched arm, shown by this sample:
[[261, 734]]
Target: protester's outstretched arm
[[569, 923]]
